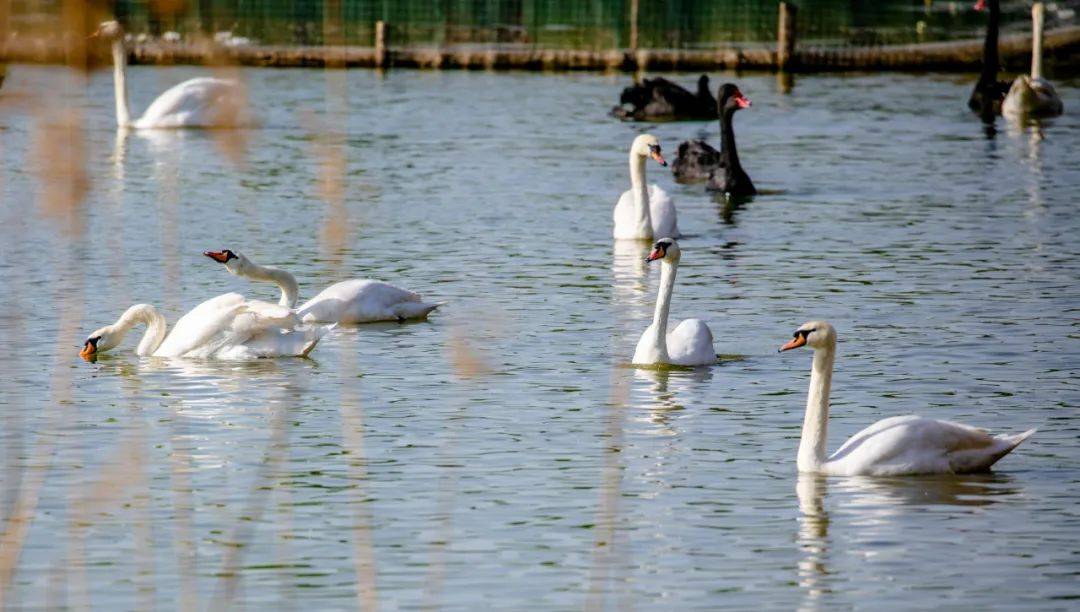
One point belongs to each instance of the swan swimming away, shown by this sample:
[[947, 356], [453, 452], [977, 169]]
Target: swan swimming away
[[224, 327], [1033, 96], [644, 211], [896, 446], [203, 102], [348, 302], [690, 343]]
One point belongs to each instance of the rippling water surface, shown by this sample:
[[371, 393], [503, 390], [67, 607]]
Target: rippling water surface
[[503, 453]]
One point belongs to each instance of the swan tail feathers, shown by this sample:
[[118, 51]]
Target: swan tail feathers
[[980, 461], [414, 310], [1015, 440]]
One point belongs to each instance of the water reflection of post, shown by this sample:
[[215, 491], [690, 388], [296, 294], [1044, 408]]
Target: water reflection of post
[[813, 538]]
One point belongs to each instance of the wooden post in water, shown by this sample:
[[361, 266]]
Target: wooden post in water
[[380, 44], [633, 25], [785, 36]]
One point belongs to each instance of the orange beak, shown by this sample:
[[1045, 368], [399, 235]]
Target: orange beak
[[655, 254], [88, 352], [658, 157], [795, 343], [218, 256]]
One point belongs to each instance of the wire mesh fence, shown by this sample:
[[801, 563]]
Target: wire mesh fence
[[558, 24]]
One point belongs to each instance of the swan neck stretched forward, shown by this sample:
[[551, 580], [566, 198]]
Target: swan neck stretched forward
[[285, 281], [1038, 18], [640, 189], [123, 117], [816, 422]]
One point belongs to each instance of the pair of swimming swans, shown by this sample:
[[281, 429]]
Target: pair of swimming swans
[[1027, 96], [203, 102], [230, 326], [902, 445]]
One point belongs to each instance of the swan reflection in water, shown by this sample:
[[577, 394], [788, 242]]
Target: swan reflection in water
[[661, 395], [630, 275], [865, 502]]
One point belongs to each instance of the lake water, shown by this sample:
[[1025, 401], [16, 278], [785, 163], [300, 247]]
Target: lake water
[[503, 454]]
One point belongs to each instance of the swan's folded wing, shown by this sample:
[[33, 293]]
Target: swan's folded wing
[[691, 343], [195, 102], [203, 326], [665, 219]]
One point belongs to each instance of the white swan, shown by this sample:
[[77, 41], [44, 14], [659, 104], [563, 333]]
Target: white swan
[[203, 102], [1033, 96], [348, 302], [691, 342], [224, 327], [644, 210], [894, 446]]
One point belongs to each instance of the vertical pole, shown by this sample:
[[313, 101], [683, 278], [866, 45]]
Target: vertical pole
[[633, 25], [380, 44], [785, 36]]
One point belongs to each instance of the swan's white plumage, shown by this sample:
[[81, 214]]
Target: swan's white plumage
[[203, 102], [918, 445], [661, 212], [644, 211], [690, 342], [224, 327], [363, 301], [896, 446], [347, 302]]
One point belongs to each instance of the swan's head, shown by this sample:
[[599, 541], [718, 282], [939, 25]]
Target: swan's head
[[99, 341], [647, 145], [109, 30], [815, 334], [234, 262], [703, 84], [729, 96], [666, 249]]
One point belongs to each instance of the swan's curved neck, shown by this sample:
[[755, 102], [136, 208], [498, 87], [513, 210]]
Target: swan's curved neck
[[155, 327], [816, 422], [990, 45], [727, 139], [123, 118], [285, 281], [641, 192], [663, 306], [1038, 18]]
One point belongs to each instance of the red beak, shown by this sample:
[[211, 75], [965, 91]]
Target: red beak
[[217, 256], [980, 5], [742, 100], [655, 254]]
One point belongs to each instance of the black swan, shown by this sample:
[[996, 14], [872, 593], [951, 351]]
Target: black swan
[[698, 161], [989, 92], [659, 98]]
